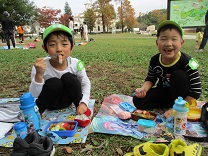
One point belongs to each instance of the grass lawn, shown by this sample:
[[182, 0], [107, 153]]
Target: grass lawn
[[115, 64]]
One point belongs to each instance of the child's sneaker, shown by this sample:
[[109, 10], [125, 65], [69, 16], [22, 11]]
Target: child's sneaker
[[44, 147], [150, 149], [21, 146], [179, 147]]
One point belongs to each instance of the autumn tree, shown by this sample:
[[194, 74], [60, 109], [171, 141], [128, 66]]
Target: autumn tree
[[158, 16], [154, 17], [90, 18], [47, 16], [104, 9], [126, 15], [109, 16], [64, 19]]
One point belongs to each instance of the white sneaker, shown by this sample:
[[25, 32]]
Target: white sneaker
[[201, 50]]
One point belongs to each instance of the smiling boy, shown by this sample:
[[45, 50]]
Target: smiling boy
[[171, 70], [59, 80]]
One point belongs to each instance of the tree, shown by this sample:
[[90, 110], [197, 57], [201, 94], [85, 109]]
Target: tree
[[67, 9], [154, 17], [64, 19], [47, 16], [109, 15], [103, 8], [90, 18], [158, 16], [22, 11], [126, 15]]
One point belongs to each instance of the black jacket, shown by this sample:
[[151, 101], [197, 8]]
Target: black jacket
[[7, 24]]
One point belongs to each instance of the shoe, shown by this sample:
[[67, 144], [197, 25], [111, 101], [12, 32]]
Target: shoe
[[44, 147], [201, 50], [196, 50], [179, 147], [150, 149], [21, 146]]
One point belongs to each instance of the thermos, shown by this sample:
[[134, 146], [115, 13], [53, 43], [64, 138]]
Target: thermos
[[30, 111], [180, 116]]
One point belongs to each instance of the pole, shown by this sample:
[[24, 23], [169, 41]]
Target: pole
[[122, 22]]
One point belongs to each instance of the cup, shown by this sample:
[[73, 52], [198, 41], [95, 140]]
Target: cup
[[20, 129]]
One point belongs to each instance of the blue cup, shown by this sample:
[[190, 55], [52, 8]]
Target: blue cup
[[20, 129]]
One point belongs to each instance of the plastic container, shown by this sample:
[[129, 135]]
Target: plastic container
[[180, 116], [143, 114], [127, 107], [194, 114], [147, 126], [20, 129], [62, 132], [30, 111]]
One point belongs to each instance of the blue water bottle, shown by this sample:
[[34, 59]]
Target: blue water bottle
[[30, 111], [180, 116]]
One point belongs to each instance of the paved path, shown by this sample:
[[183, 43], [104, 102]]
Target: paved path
[[189, 37]]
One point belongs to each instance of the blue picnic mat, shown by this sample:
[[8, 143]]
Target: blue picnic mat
[[6, 47], [61, 115]]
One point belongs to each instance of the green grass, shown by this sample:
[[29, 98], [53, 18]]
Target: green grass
[[115, 64]]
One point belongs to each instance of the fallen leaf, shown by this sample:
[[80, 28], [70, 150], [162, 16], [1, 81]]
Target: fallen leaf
[[120, 152], [68, 150]]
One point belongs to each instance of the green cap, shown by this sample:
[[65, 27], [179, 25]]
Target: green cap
[[56, 27], [171, 23]]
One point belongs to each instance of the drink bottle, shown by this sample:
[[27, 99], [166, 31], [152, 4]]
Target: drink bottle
[[30, 111], [180, 114]]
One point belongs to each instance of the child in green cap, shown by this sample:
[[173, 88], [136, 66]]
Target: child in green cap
[[174, 72], [59, 79]]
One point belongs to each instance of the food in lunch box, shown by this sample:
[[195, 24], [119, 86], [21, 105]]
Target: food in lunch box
[[143, 114]]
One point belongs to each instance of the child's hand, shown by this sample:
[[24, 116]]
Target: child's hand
[[40, 66], [140, 93], [168, 113], [82, 108]]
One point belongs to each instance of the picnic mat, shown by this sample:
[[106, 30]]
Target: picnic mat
[[62, 114], [6, 47], [80, 43], [106, 121]]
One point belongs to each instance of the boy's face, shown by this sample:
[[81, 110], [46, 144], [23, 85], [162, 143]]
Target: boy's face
[[169, 44], [59, 45]]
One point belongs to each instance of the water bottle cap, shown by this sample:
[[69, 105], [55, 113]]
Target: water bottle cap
[[20, 125], [27, 99], [180, 105]]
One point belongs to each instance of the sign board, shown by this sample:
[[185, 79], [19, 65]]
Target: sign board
[[187, 13]]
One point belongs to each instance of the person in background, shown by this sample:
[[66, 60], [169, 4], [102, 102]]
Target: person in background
[[81, 29], [41, 30], [2, 34], [199, 36], [59, 80], [21, 33], [205, 36], [174, 72], [8, 29], [71, 26], [85, 31]]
